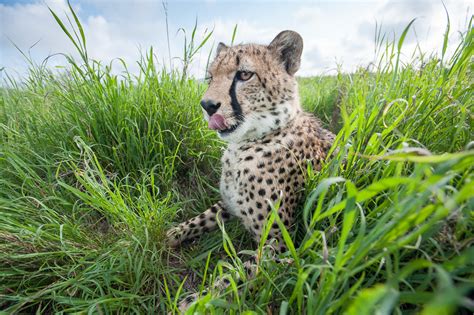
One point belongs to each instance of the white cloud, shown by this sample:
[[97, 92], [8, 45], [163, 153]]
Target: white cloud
[[27, 24], [346, 32], [343, 33], [334, 32]]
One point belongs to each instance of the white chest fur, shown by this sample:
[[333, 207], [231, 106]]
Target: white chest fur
[[229, 184]]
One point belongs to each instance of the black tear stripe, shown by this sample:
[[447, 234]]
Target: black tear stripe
[[233, 100], [237, 60]]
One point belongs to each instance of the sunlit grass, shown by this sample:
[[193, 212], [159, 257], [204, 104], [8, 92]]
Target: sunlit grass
[[95, 166]]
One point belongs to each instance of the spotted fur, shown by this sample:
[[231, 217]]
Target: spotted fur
[[270, 138]]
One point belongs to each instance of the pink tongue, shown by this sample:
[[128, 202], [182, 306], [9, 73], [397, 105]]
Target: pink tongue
[[217, 122]]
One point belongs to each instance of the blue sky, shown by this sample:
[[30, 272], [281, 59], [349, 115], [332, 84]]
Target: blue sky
[[335, 32]]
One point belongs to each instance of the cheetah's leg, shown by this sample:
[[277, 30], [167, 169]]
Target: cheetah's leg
[[275, 241], [206, 221], [275, 238]]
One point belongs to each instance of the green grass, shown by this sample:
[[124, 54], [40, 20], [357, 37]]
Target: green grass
[[95, 167]]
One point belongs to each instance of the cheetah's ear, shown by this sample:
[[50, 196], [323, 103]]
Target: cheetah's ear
[[221, 47], [289, 46]]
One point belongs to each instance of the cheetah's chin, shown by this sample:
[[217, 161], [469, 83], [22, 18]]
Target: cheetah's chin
[[226, 131], [218, 122]]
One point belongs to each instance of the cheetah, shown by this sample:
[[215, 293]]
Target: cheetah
[[252, 102]]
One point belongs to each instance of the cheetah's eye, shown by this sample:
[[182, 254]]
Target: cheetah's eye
[[243, 75]]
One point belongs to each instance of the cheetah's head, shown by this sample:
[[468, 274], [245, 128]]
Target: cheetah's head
[[252, 89]]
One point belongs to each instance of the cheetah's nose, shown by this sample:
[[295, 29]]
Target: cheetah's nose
[[210, 107]]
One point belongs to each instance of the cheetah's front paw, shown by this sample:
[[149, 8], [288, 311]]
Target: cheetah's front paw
[[173, 236]]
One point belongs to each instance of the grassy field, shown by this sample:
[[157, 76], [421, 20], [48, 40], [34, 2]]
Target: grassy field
[[95, 167]]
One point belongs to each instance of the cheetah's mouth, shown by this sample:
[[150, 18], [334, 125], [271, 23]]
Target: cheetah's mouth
[[218, 122]]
